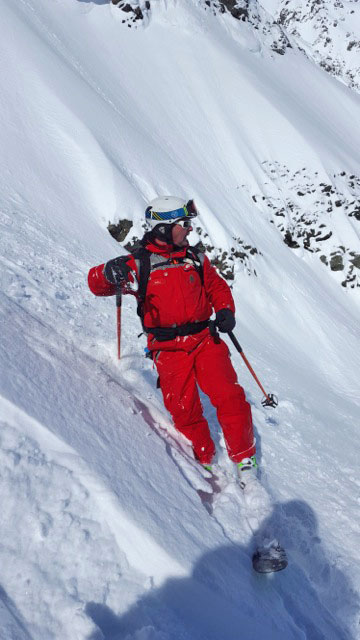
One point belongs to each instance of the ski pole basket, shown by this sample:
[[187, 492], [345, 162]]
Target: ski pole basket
[[270, 401]]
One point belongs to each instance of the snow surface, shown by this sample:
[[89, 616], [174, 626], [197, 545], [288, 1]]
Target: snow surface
[[109, 529]]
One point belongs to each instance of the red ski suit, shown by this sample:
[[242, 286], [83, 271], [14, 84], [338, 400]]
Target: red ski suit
[[176, 296]]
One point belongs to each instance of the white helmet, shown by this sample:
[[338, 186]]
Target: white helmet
[[169, 209]]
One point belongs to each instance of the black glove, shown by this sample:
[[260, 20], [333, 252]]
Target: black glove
[[117, 270], [225, 320]]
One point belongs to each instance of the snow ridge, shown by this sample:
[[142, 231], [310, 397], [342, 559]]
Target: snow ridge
[[327, 32]]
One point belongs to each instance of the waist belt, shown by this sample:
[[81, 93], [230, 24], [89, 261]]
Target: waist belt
[[170, 333]]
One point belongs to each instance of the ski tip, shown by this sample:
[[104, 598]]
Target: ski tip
[[269, 560]]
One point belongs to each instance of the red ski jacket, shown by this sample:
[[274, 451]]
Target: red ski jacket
[[175, 295]]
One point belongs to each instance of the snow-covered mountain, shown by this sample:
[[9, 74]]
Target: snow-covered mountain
[[327, 32], [109, 528], [305, 204]]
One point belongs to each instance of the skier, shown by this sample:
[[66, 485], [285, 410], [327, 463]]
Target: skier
[[178, 290]]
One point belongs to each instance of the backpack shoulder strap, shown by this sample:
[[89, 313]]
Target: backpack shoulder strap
[[198, 257], [142, 258]]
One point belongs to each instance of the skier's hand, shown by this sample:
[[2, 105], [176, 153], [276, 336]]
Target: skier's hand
[[225, 320], [117, 271]]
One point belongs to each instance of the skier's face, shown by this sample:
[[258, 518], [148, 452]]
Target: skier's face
[[180, 234]]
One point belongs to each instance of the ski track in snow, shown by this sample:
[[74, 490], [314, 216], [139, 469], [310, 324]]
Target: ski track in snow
[[50, 515], [110, 530]]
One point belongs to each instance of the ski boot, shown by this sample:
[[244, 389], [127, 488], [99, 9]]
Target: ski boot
[[247, 471]]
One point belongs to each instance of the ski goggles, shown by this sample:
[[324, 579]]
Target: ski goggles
[[187, 211], [191, 209], [184, 223]]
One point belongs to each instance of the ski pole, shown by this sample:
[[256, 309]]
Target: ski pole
[[118, 320], [270, 399]]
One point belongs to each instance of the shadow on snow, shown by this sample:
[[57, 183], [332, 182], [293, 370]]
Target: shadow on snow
[[13, 626], [225, 599]]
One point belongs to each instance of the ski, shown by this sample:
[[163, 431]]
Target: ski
[[267, 558]]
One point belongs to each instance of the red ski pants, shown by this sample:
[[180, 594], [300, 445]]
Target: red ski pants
[[209, 366]]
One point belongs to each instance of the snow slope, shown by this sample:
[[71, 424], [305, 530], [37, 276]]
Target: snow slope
[[109, 529]]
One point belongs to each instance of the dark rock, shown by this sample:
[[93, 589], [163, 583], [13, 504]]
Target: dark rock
[[327, 188], [355, 214], [200, 246], [337, 263], [288, 239], [356, 261], [323, 238], [120, 230], [128, 7], [238, 12], [133, 244]]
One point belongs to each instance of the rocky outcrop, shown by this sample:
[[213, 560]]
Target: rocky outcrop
[[238, 258], [133, 11], [266, 28], [120, 230], [324, 30], [311, 215], [312, 212]]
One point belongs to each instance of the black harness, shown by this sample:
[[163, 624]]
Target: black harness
[[143, 256]]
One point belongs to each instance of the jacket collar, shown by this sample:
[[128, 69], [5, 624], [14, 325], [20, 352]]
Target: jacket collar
[[167, 250]]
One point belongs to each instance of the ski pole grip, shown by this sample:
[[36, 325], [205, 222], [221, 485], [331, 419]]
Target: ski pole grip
[[213, 331], [234, 341], [118, 298]]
